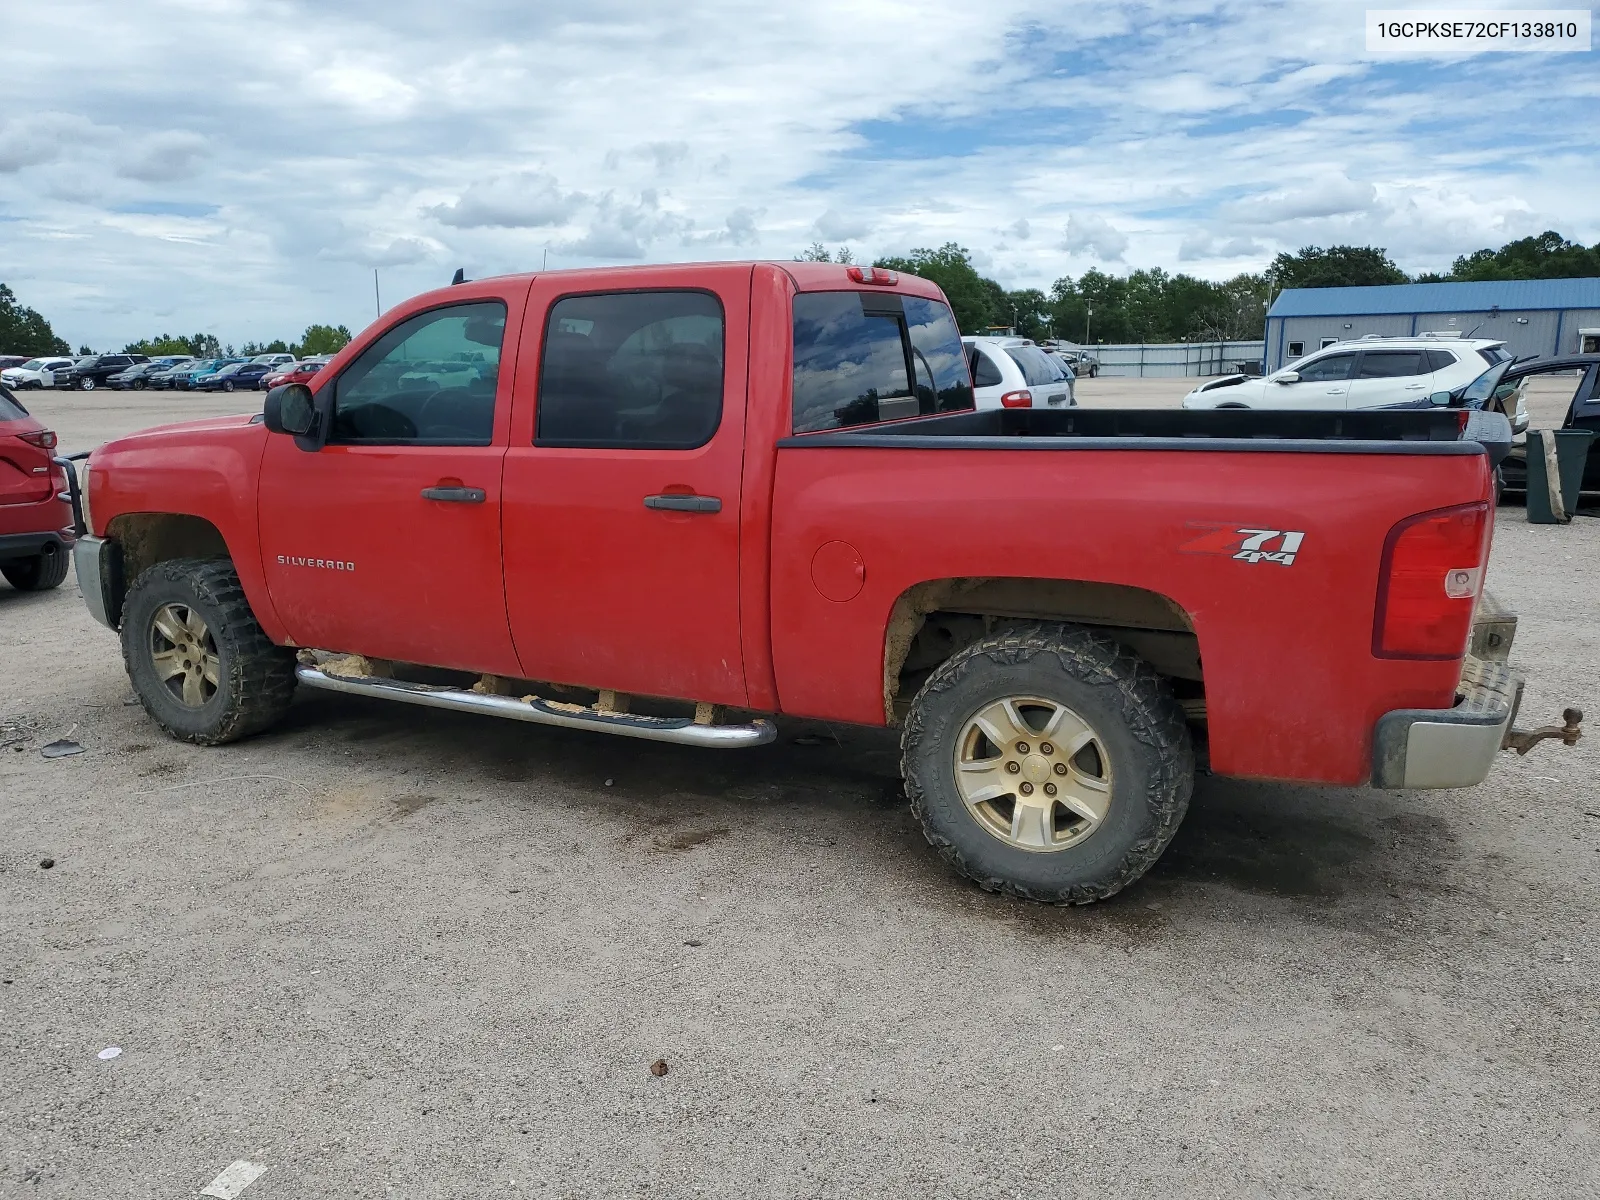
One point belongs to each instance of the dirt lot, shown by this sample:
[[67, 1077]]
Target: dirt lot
[[391, 952]]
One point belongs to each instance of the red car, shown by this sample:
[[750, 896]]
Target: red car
[[300, 372], [657, 501], [36, 534]]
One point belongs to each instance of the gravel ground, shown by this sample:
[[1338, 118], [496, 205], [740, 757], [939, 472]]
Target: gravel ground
[[389, 952]]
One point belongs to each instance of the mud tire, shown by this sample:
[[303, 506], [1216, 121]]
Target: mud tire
[[39, 573], [1132, 710], [255, 677]]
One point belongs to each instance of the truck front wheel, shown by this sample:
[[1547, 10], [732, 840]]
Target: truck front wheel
[[202, 666], [1048, 762]]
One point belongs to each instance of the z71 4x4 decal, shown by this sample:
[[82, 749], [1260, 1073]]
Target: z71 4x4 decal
[[1247, 545]]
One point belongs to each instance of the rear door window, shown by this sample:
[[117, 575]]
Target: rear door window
[[632, 370], [861, 358], [1391, 364]]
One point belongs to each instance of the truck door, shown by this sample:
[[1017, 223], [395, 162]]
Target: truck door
[[384, 539], [622, 484]]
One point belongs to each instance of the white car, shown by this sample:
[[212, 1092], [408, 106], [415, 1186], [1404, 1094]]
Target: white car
[[35, 373], [1375, 372], [274, 360], [1012, 372]]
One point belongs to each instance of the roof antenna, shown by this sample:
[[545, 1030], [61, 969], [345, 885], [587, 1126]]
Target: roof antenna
[[459, 277]]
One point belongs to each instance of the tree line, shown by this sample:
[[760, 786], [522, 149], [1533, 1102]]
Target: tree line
[[1146, 305], [1153, 305]]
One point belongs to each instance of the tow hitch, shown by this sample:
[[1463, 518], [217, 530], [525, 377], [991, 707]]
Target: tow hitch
[[1523, 740]]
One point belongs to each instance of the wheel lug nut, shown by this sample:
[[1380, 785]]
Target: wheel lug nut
[[1022, 747], [1049, 789], [1026, 789], [1046, 748], [1012, 768], [1061, 768]]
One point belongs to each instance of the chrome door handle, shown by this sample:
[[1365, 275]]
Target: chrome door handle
[[678, 502], [455, 495]]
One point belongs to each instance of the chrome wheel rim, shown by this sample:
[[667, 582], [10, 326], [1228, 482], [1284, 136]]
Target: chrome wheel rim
[[184, 655], [1033, 773]]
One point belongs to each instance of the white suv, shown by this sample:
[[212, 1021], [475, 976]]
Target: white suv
[[1012, 372], [1375, 372], [35, 373]]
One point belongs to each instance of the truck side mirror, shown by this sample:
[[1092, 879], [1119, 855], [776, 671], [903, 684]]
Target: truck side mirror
[[1439, 399], [1288, 377], [289, 409]]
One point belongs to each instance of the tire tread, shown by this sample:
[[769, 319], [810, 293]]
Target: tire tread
[[1151, 713], [261, 673]]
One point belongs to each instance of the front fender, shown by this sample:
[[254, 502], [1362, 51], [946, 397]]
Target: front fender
[[206, 470]]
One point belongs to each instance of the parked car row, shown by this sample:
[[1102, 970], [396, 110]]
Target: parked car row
[[181, 371]]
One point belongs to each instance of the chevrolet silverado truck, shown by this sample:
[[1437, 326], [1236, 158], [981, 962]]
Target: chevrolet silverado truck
[[671, 502]]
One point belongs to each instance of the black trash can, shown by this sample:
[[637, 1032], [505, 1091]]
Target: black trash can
[[1556, 458]]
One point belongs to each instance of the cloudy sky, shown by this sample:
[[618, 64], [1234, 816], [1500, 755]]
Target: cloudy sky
[[241, 166]]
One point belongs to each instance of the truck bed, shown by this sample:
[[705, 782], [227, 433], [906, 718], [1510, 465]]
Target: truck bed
[[1428, 431]]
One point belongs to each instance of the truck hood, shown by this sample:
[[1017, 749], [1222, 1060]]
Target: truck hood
[[181, 432]]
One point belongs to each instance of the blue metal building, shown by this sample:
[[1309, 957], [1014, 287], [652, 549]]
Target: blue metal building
[[1531, 316]]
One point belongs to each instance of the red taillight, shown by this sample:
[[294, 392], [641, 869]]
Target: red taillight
[[1017, 400], [1429, 581], [874, 275], [44, 439]]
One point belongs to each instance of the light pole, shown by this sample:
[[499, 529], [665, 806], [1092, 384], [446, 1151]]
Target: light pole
[[1088, 314]]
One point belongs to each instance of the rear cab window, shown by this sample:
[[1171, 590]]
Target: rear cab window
[[861, 358]]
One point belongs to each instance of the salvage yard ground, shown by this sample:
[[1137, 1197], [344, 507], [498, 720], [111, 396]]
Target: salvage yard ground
[[393, 952]]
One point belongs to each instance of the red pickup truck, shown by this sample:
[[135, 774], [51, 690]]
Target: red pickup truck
[[657, 501]]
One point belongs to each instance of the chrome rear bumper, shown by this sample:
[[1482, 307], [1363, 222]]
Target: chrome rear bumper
[[1448, 747]]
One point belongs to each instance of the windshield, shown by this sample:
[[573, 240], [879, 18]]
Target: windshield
[[33, 364], [1477, 393]]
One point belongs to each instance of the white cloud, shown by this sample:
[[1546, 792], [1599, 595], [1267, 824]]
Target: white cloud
[[1333, 195], [834, 226], [1200, 246], [1088, 233], [531, 199], [164, 157]]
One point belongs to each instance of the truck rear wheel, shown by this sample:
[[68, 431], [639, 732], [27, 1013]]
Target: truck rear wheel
[[38, 573], [202, 666], [1048, 762]]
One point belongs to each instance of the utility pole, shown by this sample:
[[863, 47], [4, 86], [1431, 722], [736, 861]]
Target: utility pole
[[546, 265], [1088, 312], [376, 298]]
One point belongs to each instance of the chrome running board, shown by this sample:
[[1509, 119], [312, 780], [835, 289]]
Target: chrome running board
[[683, 730]]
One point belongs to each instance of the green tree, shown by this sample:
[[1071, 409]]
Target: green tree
[[276, 346], [817, 252], [1548, 256], [201, 345], [321, 339], [1337, 266], [950, 266], [24, 331]]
